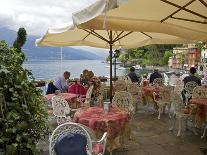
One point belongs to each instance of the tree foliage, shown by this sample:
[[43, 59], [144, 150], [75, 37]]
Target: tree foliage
[[151, 55], [22, 113]]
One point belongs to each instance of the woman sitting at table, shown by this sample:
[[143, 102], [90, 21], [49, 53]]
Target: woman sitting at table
[[96, 88], [60, 83]]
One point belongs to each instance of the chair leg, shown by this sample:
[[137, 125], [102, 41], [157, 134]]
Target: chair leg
[[173, 122], [169, 107], [204, 132], [179, 126], [160, 111]]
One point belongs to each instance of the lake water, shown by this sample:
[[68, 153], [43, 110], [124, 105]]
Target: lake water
[[49, 69]]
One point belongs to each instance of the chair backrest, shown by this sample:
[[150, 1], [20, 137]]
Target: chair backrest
[[199, 92], [89, 91], [177, 101], [189, 86], [134, 89], [124, 101], [158, 82], [166, 93], [66, 128], [60, 106], [120, 85]]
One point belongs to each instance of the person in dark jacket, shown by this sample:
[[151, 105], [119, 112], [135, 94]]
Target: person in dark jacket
[[133, 76], [189, 78], [155, 75]]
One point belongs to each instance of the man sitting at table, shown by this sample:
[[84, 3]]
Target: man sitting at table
[[191, 77], [133, 76], [60, 83], [155, 75]]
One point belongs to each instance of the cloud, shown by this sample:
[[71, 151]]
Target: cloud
[[37, 15]]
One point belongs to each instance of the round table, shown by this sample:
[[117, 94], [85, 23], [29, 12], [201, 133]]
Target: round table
[[113, 122], [201, 112], [147, 93], [69, 97]]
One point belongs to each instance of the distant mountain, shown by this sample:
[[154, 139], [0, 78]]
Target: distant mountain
[[47, 53]]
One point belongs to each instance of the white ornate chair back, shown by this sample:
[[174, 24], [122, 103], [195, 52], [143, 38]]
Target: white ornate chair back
[[61, 109], [67, 128], [121, 77], [189, 86], [165, 94], [133, 88], [120, 85], [88, 95], [60, 106], [124, 101], [158, 82], [199, 92], [177, 102]]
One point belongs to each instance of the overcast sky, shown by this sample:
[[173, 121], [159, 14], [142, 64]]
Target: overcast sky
[[37, 15]]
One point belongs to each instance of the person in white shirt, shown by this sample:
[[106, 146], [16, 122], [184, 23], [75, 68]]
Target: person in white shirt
[[60, 83]]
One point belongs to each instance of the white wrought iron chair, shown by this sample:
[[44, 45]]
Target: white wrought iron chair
[[164, 98], [158, 82], [200, 92], [135, 91], [124, 101], [180, 112], [87, 99], [189, 86], [61, 109], [120, 85], [93, 147]]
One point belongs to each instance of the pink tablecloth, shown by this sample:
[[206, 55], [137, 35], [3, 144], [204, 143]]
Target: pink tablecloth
[[94, 117], [69, 97], [201, 111], [147, 93]]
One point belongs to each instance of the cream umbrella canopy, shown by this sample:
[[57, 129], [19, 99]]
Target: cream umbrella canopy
[[98, 26], [182, 18]]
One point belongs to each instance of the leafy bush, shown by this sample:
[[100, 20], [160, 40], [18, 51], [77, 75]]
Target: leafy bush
[[22, 113]]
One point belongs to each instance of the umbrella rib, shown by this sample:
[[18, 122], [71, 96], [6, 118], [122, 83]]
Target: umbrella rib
[[190, 20], [122, 36], [176, 10], [118, 35], [183, 8], [86, 36], [96, 34], [146, 35], [203, 2]]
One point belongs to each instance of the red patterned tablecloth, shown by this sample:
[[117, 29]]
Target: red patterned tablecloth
[[201, 112], [147, 93], [69, 97], [114, 122]]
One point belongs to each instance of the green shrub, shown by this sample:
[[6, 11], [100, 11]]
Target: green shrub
[[22, 113]]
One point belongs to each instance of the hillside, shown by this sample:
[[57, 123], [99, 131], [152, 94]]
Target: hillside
[[47, 53]]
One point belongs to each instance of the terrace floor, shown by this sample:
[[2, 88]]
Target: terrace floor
[[152, 137]]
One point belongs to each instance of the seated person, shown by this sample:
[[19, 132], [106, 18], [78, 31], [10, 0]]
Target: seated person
[[71, 144], [60, 83], [133, 76], [155, 75], [83, 77], [191, 77]]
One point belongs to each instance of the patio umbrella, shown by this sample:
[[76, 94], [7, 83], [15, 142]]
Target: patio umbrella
[[121, 27]]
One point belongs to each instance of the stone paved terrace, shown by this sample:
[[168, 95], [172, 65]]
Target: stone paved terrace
[[152, 137]]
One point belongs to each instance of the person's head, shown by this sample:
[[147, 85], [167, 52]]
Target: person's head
[[145, 76], [66, 74], [132, 69], [156, 70], [192, 70]]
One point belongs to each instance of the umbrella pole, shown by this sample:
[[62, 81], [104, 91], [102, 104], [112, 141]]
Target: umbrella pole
[[110, 55]]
